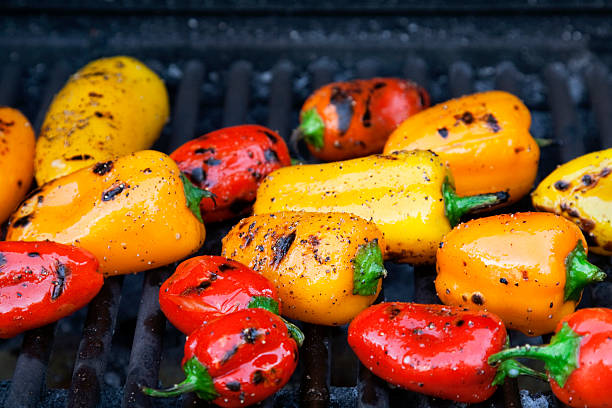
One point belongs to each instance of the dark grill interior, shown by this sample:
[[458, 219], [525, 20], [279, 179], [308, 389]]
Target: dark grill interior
[[228, 66]]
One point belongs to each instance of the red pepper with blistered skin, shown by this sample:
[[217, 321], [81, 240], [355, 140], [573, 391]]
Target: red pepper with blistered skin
[[205, 287], [230, 163], [578, 359], [237, 360], [433, 349], [41, 282]]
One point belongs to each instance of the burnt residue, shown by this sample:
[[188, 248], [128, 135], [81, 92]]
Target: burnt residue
[[202, 150], [572, 212], [255, 174], [443, 132], [604, 172], [477, 299], [281, 247], [366, 119], [503, 280], [393, 312], [112, 192], [2, 259], [212, 162], [561, 185], [587, 180], [271, 156], [33, 254], [466, 117], [93, 94], [233, 385], [459, 323], [226, 267], [258, 377], [229, 354], [102, 168], [239, 206], [587, 225], [343, 102], [250, 335], [197, 175], [80, 157], [270, 136], [61, 272], [22, 221], [422, 98], [492, 123]]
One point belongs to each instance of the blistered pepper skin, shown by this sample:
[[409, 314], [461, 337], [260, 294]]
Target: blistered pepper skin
[[41, 282], [131, 213], [432, 349], [310, 257], [513, 265], [109, 108], [581, 191], [359, 115], [16, 159], [483, 138], [230, 163]]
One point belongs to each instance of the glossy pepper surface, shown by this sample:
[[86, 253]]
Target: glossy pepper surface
[[581, 190], [237, 360], [326, 267], [408, 195], [230, 163], [578, 359], [527, 268], [344, 120], [483, 138], [109, 108], [16, 159], [206, 287], [131, 213], [41, 282], [432, 349]]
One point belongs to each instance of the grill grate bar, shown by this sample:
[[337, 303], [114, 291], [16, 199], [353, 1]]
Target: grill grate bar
[[460, 79], [281, 95], [507, 78], [9, 82], [314, 389], [237, 94], [599, 93]]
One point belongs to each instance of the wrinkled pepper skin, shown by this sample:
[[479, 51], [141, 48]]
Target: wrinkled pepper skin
[[314, 260], [16, 159], [41, 282], [109, 108], [483, 138], [344, 120], [432, 349], [131, 213], [581, 191], [206, 287], [523, 267], [237, 360], [401, 193], [230, 163]]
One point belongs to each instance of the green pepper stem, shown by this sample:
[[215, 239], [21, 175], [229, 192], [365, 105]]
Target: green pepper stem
[[456, 207], [560, 356], [264, 302], [197, 379], [544, 142], [512, 368], [194, 195], [312, 128], [295, 332], [368, 269], [579, 273]]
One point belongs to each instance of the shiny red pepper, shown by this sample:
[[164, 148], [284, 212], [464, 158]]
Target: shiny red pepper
[[230, 163], [205, 287], [41, 282], [578, 359], [433, 349], [237, 360]]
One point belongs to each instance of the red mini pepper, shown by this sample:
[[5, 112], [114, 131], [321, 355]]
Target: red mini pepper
[[433, 349], [237, 360], [206, 287], [578, 359], [230, 163], [41, 282]]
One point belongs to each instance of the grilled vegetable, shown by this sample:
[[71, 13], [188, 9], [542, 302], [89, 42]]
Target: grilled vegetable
[[528, 268], [578, 358], [41, 282], [17, 159], [111, 107], [206, 287], [237, 360], [433, 349], [131, 213], [351, 119], [581, 190], [230, 163], [326, 267], [483, 138], [408, 195]]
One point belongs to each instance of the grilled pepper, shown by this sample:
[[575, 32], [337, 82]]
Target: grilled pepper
[[578, 358], [237, 360], [131, 213], [528, 268], [433, 349], [230, 163], [581, 190], [351, 119], [41, 282], [483, 138], [206, 287], [408, 195], [326, 267], [111, 107], [17, 163]]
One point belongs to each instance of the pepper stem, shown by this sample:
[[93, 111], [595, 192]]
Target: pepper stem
[[197, 379], [368, 269], [312, 128], [579, 273], [194, 195], [560, 356], [264, 302], [456, 207], [512, 368], [295, 332]]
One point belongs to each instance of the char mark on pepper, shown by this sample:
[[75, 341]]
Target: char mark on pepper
[[22, 221], [271, 156], [102, 168], [343, 103], [61, 271], [80, 157], [281, 247], [270, 136]]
